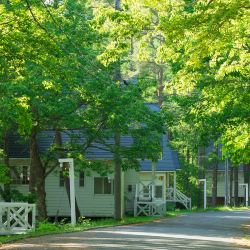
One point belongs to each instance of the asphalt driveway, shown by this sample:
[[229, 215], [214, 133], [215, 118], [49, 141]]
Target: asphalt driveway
[[210, 230]]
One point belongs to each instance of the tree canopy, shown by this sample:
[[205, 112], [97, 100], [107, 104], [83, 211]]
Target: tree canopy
[[86, 65]]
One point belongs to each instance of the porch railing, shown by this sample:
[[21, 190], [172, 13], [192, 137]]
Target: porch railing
[[178, 196], [146, 203], [152, 208], [16, 217]]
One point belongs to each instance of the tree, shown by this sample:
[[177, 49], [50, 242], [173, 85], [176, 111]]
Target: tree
[[50, 65], [115, 24], [215, 61], [127, 115]]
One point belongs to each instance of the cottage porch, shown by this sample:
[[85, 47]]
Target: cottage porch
[[152, 196]]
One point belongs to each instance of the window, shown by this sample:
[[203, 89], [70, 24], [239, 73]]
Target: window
[[130, 188], [81, 179], [20, 175], [146, 191], [158, 191], [102, 185], [61, 179]]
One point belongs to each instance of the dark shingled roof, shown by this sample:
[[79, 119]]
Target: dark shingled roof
[[18, 148], [169, 161]]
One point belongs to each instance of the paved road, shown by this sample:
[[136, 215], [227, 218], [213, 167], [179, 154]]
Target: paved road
[[210, 230]]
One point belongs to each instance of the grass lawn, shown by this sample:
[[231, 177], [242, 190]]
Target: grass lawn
[[45, 228]]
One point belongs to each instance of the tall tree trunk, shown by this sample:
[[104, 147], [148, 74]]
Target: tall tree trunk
[[118, 213], [201, 173], [231, 184], [236, 186], [160, 87], [58, 142], [132, 66], [215, 179], [201, 161], [214, 185], [188, 156], [37, 176]]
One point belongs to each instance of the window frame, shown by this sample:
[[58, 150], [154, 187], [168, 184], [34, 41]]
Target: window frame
[[23, 177], [81, 178], [61, 178], [110, 181]]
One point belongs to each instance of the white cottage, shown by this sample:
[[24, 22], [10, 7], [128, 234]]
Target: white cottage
[[223, 178], [144, 192], [221, 184]]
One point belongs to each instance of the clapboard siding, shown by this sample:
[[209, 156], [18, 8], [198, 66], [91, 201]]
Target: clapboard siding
[[131, 177], [221, 184], [90, 204]]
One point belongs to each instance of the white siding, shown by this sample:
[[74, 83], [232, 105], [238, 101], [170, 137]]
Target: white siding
[[90, 204], [131, 177], [221, 184], [147, 176]]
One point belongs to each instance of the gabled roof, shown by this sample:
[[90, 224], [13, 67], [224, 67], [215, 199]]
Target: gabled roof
[[169, 161], [19, 148]]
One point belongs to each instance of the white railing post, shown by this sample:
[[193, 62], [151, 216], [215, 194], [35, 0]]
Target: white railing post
[[72, 187], [14, 217], [33, 216], [245, 185], [205, 191], [26, 213], [174, 185], [152, 191], [136, 191], [8, 218], [247, 194]]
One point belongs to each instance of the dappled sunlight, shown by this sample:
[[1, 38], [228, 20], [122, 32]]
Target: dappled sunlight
[[171, 235], [124, 241], [202, 231], [235, 217]]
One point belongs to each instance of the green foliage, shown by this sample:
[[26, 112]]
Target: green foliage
[[84, 221], [187, 181], [3, 174], [203, 48], [214, 45], [17, 196], [55, 75], [170, 207], [58, 62], [46, 228], [236, 141]]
